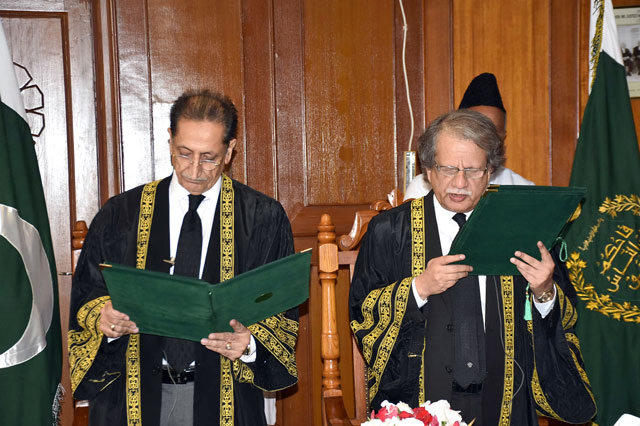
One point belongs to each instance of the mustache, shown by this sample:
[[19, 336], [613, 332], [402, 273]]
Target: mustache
[[196, 179], [458, 191]]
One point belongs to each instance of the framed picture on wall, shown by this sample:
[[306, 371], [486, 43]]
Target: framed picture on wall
[[628, 23]]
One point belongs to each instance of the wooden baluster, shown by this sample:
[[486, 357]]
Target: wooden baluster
[[328, 266]]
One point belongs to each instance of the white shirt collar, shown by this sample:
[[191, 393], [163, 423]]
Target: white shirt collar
[[443, 215]]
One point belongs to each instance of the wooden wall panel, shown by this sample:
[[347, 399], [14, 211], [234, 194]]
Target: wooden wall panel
[[565, 88], [511, 40], [412, 60], [438, 58], [349, 101], [259, 84]]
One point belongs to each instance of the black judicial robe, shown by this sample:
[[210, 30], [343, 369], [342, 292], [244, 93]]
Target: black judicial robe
[[531, 365], [125, 390]]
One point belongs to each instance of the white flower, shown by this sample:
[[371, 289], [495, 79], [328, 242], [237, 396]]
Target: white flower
[[442, 410], [404, 407]]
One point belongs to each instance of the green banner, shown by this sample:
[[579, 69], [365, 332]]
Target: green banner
[[30, 341], [604, 242]]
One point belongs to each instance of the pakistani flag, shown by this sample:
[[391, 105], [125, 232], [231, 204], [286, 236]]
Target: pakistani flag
[[604, 242], [30, 342]]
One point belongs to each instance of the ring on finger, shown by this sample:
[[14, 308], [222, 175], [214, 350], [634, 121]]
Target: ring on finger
[[228, 347], [113, 326]]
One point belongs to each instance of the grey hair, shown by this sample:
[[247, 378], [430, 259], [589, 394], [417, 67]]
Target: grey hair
[[462, 124]]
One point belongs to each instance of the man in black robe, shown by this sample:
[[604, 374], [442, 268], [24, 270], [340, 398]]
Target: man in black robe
[[497, 348], [133, 378]]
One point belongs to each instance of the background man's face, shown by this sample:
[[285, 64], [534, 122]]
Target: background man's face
[[458, 193], [496, 115], [199, 140]]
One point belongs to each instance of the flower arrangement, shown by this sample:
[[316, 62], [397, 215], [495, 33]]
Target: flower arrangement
[[428, 414]]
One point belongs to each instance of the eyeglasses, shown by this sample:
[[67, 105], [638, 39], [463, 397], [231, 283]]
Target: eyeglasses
[[469, 173], [186, 161]]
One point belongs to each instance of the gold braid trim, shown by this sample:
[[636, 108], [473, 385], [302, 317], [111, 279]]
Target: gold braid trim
[[226, 272], [84, 345], [573, 339], [569, 316], [417, 237], [134, 409], [367, 311], [418, 260], [283, 353], [384, 318], [509, 348], [226, 230], [389, 340], [226, 392], [147, 201], [596, 41], [241, 372], [538, 395], [134, 404], [280, 328], [287, 324]]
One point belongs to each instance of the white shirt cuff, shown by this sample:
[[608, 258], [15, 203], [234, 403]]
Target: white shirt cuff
[[419, 300], [252, 352], [546, 307]]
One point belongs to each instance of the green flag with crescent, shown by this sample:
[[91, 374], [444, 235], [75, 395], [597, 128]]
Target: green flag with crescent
[[30, 341], [604, 242]]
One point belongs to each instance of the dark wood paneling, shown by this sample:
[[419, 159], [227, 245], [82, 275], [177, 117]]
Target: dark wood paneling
[[564, 78], [349, 100], [289, 103], [132, 73], [438, 58], [413, 60], [511, 40], [260, 146], [107, 99]]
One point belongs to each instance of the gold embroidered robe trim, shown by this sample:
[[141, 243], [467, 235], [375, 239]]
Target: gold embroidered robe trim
[[569, 318], [134, 403], [284, 353], [226, 272], [390, 333], [418, 265], [509, 348], [84, 345]]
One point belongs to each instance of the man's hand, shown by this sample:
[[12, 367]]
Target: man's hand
[[539, 273], [441, 275], [114, 323], [230, 345]]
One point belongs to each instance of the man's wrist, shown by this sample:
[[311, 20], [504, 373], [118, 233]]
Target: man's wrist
[[545, 296]]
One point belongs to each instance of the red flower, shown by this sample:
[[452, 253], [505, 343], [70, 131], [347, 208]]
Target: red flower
[[388, 412], [423, 415], [405, 415]]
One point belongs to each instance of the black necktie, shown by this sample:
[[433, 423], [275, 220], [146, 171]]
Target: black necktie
[[469, 364], [180, 353]]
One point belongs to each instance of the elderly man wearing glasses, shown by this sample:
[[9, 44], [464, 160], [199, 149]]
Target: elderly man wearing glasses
[[197, 222], [429, 330]]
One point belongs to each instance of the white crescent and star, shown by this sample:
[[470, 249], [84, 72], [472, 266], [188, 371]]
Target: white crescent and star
[[25, 238]]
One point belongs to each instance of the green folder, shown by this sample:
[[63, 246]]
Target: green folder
[[188, 308], [514, 217]]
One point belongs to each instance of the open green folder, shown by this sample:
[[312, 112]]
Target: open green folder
[[188, 308], [514, 217]]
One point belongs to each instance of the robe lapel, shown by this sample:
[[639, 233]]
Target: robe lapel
[[159, 239], [211, 272], [432, 241]]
